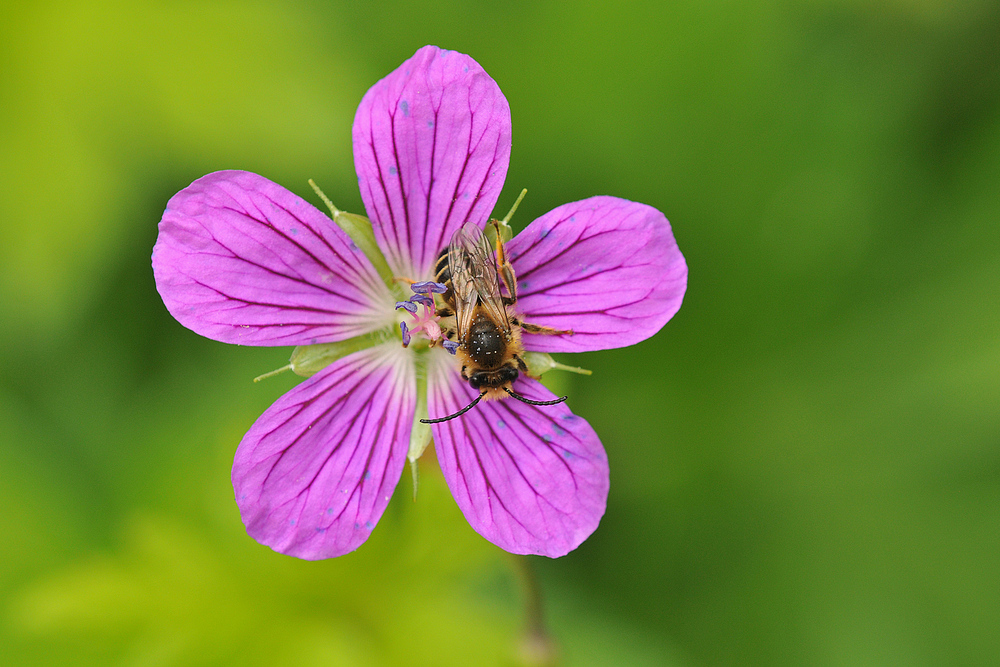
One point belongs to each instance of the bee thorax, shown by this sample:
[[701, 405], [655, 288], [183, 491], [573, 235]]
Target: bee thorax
[[486, 344]]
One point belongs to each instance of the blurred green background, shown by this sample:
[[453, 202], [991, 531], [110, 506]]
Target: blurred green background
[[805, 461]]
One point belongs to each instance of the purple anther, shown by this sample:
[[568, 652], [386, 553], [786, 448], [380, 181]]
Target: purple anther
[[422, 299], [450, 345], [406, 305], [429, 287], [406, 333]]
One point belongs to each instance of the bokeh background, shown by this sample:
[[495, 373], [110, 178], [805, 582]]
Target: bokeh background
[[805, 461]]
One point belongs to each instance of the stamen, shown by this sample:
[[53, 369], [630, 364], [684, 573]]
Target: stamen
[[406, 334], [450, 345], [423, 300], [428, 287], [531, 402], [457, 414], [426, 321]]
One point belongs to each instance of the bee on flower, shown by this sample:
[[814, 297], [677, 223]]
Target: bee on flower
[[400, 347]]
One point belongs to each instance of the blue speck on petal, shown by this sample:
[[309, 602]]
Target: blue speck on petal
[[369, 525], [547, 438], [368, 474], [559, 431], [545, 232], [292, 522], [329, 510], [357, 526], [320, 530], [569, 456], [430, 123], [393, 171], [405, 106], [572, 218], [501, 424], [523, 284], [294, 231]]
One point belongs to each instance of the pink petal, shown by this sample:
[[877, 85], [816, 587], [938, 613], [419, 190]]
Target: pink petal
[[431, 147], [530, 479], [242, 260], [315, 472], [606, 268]]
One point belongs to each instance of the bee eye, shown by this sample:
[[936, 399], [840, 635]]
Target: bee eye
[[508, 373]]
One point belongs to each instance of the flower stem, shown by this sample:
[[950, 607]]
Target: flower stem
[[538, 648]]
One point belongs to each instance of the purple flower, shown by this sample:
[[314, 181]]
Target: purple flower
[[241, 260]]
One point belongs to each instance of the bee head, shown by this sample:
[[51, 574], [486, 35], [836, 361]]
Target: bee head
[[501, 377]]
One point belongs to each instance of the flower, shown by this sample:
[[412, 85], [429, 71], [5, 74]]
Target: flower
[[241, 260]]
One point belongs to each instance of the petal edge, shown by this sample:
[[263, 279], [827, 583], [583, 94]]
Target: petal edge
[[431, 147], [315, 472], [607, 268], [240, 259], [530, 479]]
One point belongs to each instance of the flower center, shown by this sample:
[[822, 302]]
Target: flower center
[[424, 323]]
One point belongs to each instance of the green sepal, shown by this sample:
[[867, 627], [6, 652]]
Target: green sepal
[[540, 363], [359, 229], [307, 360], [506, 232], [420, 433]]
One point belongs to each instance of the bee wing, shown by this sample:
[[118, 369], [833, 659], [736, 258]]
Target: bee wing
[[474, 279]]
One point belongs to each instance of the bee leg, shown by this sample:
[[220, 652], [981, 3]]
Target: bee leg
[[545, 331], [504, 268], [520, 364]]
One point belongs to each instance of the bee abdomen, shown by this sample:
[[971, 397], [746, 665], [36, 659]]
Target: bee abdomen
[[442, 271]]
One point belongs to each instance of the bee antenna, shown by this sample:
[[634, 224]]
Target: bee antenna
[[531, 402], [457, 414]]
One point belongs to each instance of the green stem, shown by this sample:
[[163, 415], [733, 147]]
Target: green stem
[[538, 647]]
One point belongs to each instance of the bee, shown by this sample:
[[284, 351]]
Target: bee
[[486, 329]]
